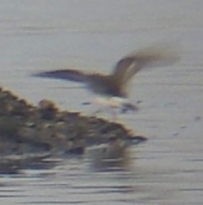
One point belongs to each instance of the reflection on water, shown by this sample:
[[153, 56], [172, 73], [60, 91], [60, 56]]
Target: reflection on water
[[74, 182], [101, 177], [111, 156], [16, 166], [70, 180]]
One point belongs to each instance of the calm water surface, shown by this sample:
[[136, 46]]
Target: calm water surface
[[93, 35]]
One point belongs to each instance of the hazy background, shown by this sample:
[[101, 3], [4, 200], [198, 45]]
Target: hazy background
[[93, 35]]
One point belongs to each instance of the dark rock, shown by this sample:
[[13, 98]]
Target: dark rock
[[28, 130]]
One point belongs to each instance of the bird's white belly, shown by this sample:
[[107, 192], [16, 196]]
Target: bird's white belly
[[110, 101]]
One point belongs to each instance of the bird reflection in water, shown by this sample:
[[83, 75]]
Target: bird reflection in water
[[114, 155]]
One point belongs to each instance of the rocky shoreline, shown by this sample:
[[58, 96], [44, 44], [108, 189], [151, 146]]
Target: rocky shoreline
[[31, 132]]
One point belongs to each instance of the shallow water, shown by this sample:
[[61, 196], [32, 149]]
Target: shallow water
[[93, 35]]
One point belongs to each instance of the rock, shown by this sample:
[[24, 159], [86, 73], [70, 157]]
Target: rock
[[28, 130]]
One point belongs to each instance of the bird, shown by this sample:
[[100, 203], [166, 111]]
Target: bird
[[111, 89]]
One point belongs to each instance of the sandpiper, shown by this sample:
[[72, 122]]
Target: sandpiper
[[112, 88]]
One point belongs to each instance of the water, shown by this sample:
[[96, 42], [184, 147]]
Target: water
[[93, 35]]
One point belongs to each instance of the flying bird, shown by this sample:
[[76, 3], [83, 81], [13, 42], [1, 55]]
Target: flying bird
[[112, 88]]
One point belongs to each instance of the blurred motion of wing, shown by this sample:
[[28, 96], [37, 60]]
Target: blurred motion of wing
[[72, 75]]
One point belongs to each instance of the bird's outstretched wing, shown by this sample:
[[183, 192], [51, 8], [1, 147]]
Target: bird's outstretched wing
[[154, 56], [68, 74]]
